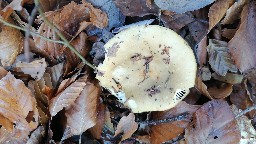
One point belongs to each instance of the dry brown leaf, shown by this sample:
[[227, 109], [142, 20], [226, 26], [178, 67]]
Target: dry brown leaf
[[213, 123], [240, 98], [198, 30], [42, 99], [97, 17], [35, 68], [167, 131], [248, 133], [229, 78], [127, 126], [201, 52], [18, 106], [8, 137], [3, 72], [177, 21], [82, 114], [48, 5], [37, 136], [82, 46], [202, 88], [220, 90], [219, 57], [56, 72], [14, 5], [70, 20], [68, 96], [242, 45], [136, 7], [11, 41], [228, 33], [250, 83], [98, 128], [234, 12], [217, 11], [115, 16], [65, 83]]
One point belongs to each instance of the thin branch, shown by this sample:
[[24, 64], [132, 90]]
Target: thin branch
[[26, 40], [31, 32], [62, 36], [155, 122], [246, 111]]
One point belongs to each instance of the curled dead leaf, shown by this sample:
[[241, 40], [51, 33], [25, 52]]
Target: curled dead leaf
[[11, 41], [217, 11], [127, 126], [228, 33], [234, 12]]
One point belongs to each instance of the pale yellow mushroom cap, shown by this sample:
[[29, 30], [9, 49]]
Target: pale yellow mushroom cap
[[149, 68]]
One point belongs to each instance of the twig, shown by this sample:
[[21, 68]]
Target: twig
[[31, 32], [155, 122], [26, 43], [66, 42], [246, 111]]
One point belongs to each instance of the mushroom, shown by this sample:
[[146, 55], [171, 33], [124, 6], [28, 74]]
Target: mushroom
[[148, 68]]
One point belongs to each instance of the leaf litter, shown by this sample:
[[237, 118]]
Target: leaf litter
[[54, 97]]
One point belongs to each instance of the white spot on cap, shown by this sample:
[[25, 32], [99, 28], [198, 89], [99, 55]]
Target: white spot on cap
[[132, 104]]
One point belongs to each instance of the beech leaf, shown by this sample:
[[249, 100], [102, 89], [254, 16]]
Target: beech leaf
[[234, 12], [82, 114], [219, 57], [242, 45], [115, 17], [18, 105], [70, 20], [67, 97], [11, 41], [127, 126], [217, 11], [35, 68], [213, 123], [56, 72]]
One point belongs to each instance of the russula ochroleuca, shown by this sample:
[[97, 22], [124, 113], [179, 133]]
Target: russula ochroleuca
[[148, 68]]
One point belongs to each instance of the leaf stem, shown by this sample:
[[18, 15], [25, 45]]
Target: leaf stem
[[31, 32]]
